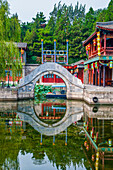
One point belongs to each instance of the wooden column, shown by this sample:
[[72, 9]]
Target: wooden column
[[90, 76], [91, 49], [93, 73], [99, 75], [104, 74], [54, 112], [112, 73], [93, 76], [88, 73], [105, 44], [96, 77]]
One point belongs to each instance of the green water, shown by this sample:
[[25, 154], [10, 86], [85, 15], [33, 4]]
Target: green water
[[49, 135]]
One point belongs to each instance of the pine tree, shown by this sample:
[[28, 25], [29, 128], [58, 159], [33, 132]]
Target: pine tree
[[75, 52], [109, 12]]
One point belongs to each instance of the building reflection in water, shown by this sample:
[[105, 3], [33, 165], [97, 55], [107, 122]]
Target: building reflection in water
[[98, 144], [53, 118]]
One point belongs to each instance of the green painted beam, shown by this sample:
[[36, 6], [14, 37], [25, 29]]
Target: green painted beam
[[91, 60], [96, 147], [98, 58]]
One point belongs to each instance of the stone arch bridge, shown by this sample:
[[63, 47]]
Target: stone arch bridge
[[74, 85]]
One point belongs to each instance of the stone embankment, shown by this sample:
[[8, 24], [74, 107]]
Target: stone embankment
[[98, 95], [8, 94], [91, 94]]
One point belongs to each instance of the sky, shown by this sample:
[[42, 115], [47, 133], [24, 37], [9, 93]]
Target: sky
[[27, 9]]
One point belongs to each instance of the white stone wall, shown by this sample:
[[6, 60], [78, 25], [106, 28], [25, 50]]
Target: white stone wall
[[104, 95], [8, 94]]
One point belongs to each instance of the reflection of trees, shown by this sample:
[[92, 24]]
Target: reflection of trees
[[58, 155], [9, 147]]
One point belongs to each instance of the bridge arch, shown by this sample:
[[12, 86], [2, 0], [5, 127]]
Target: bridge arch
[[73, 84], [51, 72]]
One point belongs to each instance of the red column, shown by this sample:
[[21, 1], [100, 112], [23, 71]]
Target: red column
[[54, 112], [88, 74], [91, 49], [42, 79], [104, 44], [42, 109], [54, 78]]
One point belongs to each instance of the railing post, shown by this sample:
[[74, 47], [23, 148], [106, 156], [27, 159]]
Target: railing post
[[104, 74], [42, 49], [55, 51], [67, 51], [99, 75], [104, 43]]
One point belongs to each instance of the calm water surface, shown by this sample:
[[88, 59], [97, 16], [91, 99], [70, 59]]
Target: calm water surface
[[55, 134]]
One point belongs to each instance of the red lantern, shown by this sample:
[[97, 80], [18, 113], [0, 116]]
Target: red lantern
[[93, 158], [22, 51], [87, 147], [94, 42], [89, 46], [93, 65], [85, 143]]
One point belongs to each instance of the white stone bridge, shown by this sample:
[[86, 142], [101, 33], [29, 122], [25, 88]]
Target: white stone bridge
[[74, 86]]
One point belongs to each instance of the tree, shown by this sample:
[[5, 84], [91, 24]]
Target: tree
[[75, 50], [9, 59], [79, 12], [90, 20], [4, 12], [109, 12], [14, 29], [39, 20], [62, 28]]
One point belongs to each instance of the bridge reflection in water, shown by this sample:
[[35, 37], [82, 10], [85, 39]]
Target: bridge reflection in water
[[53, 117]]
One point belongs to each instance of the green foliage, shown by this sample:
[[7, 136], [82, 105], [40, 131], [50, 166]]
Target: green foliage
[[102, 16], [9, 31], [41, 90], [109, 12], [9, 59], [9, 27], [58, 27], [15, 30], [106, 14]]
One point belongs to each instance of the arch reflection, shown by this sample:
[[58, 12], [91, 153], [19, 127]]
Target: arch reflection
[[51, 117]]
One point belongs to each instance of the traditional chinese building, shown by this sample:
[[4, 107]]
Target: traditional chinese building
[[99, 48]]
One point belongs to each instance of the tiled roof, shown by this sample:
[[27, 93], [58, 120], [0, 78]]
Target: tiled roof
[[21, 45], [78, 62], [100, 25], [89, 38], [105, 25]]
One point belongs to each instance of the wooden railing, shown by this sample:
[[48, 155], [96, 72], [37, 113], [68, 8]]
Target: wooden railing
[[107, 51]]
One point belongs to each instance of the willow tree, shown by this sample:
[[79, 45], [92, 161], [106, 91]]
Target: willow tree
[[10, 60]]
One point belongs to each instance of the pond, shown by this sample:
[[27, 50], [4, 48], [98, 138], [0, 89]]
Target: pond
[[55, 134]]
